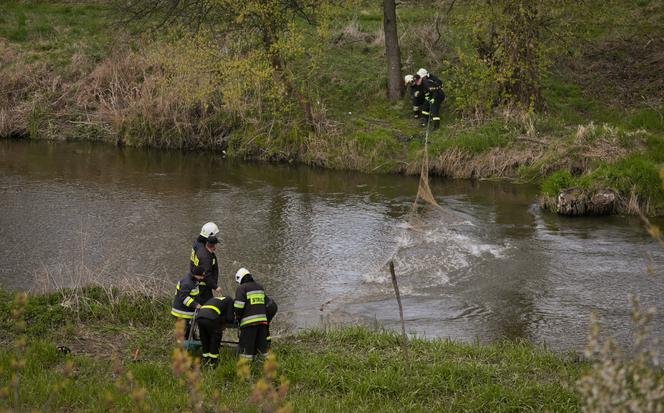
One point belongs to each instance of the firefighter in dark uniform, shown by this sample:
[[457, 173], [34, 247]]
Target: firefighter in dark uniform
[[213, 315], [203, 259], [187, 298], [417, 95], [433, 95], [252, 316]]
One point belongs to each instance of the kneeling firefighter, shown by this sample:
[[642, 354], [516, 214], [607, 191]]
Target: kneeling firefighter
[[213, 315], [187, 298], [252, 316]]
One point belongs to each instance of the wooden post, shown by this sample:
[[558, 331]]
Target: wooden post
[[396, 291]]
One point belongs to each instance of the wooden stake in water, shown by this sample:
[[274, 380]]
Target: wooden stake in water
[[396, 291]]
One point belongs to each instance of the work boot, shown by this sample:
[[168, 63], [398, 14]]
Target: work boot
[[209, 362], [417, 114], [436, 124], [424, 122]]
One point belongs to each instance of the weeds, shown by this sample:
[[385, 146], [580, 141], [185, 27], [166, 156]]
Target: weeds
[[266, 395], [618, 382], [18, 361]]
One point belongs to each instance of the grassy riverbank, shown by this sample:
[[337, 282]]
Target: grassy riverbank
[[346, 369], [69, 71]]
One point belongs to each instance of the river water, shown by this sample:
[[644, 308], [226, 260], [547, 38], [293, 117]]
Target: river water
[[489, 265]]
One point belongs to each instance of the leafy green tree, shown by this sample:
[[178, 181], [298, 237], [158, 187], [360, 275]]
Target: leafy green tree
[[512, 45]]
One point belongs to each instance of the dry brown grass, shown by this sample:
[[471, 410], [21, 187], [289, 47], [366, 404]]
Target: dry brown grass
[[498, 162], [623, 72], [338, 152], [130, 93], [128, 97], [589, 145], [18, 81], [353, 33]]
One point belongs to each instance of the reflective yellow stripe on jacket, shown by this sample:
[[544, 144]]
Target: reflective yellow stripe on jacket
[[213, 308]]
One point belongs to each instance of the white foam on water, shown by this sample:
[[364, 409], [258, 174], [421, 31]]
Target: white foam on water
[[434, 257]]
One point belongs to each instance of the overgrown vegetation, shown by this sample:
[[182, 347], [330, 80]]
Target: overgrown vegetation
[[522, 80]]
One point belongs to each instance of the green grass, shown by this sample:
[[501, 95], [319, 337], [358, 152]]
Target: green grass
[[346, 369], [54, 32], [493, 134], [634, 173]]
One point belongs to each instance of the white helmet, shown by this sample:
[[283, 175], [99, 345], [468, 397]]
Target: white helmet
[[209, 229], [422, 72], [239, 275], [408, 79]]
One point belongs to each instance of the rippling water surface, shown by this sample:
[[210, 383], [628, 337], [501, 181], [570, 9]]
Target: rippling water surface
[[488, 265]]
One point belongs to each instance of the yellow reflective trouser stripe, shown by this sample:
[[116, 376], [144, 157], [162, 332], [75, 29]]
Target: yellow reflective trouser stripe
[[425, 113], [253, 319], [212, 307], [436, 118], [181, 315]]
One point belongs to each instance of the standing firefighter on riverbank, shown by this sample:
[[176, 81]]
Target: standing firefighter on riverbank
[[416, 94], [204, 261], [432, 88], [213, 315], [252, 315]]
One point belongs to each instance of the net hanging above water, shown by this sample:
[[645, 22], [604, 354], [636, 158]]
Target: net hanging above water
[[423, 189], [425, 194]]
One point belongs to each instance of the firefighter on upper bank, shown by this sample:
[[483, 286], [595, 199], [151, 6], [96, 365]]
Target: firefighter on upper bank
[[427, 93], [416, 94]]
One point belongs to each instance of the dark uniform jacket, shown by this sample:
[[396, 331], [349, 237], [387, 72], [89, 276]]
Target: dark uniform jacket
[[204, 262], [433, 88], [187, 295], [218, 308], [417, 93], [250, 304]]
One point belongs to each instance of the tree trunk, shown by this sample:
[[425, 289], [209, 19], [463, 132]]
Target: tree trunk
[[394, 84]]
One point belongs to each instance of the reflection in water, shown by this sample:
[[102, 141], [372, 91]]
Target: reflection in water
[[490, 266]]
